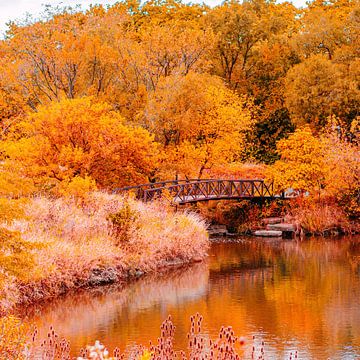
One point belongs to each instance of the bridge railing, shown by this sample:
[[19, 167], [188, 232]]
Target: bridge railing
[[202, 190], [140, 190]]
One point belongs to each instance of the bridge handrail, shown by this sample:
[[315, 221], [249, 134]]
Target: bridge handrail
[[193, 190], [153, 185], [177, 187]]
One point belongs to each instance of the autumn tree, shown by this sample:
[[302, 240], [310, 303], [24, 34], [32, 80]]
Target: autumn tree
[[80, 137], [253, 54], [318, 88], [199, 122], [328, 165], [324, 27], [301, 165], [326, 81], [240, 30]]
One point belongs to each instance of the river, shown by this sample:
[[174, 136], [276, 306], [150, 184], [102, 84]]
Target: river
[[299, 296]]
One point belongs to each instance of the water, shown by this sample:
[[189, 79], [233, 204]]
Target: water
[[294, 296]]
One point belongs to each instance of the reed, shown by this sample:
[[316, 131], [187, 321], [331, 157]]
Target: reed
[[226, 346]]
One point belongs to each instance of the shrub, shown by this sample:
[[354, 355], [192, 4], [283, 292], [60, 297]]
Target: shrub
[[123, 221], [13, 338], [77, 187], [350, 202], [319, 217]]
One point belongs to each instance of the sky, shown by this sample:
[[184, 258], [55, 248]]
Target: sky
[[17, 9]]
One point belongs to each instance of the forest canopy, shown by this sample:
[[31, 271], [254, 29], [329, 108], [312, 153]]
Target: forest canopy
[[138, 92]]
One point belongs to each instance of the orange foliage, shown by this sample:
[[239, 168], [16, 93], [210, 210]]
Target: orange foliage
[[237, 170], [200, 122], [79, 138]]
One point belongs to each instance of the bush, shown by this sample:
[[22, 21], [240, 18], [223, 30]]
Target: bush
[[77, 187], [350, 203], [319, 218], [123, 221]]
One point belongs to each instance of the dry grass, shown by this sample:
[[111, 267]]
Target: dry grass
[[79, 246], [319, 218]]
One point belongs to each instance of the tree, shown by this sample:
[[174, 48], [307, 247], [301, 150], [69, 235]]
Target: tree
[[301, 165], [318, 88], [80, 137], [199, 121], [253, 53], [342, 165]]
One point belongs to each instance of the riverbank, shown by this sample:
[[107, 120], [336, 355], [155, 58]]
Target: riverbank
[[300, 217], [247, 283], [99, 240]]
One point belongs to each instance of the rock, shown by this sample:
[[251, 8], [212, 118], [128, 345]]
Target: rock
[[268, 233], [217, 230], [272, 220], [281, 227], [139, 273], [100, 276]]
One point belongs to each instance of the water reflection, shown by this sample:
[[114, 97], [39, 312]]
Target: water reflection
[[293, 295]]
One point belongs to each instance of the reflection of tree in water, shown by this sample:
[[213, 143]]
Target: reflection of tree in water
[[354, 257], [120, 311], [295, 295], [307, 291]]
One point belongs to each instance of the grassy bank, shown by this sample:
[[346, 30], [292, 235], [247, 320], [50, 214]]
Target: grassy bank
[[101, 239]]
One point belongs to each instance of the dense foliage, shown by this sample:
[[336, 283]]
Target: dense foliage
[[212, 85]]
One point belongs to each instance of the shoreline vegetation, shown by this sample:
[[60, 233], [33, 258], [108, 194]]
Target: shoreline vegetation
[[102, 239], [242, 218]]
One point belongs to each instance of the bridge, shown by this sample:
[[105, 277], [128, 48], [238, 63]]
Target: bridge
[[195, 190]]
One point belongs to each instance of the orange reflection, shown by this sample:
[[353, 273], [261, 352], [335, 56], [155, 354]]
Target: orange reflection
[[301, 296]]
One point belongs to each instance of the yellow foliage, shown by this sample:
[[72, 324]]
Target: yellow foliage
[[11, 209], [15, 256], [325, 165], [15, 253], [301, 166], [13, 337], [200, 122], [146, 355], [77, 187]]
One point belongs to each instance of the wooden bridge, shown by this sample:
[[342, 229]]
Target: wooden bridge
[[190, 191]]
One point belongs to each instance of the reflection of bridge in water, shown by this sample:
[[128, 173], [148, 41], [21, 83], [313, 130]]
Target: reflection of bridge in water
[[191, 191]]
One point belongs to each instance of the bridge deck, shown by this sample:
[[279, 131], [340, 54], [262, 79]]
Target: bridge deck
[[190, 191]]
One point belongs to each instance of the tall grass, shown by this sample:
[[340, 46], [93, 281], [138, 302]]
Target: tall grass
[[80, 245], [319, 218]]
